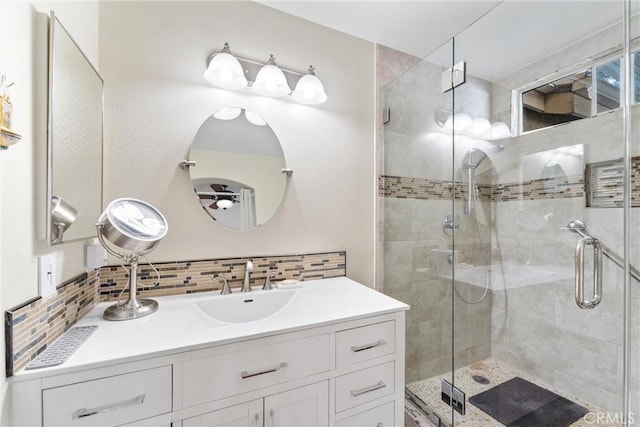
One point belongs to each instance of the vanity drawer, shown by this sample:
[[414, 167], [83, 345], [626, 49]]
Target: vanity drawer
[[364, 343], [239, 372], [381, 416], [362, 386], [109, 401]]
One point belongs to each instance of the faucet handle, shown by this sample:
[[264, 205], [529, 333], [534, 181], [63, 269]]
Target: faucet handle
[[226, 290], [267, 282]]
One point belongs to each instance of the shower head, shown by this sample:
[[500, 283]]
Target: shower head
[[473, 158]]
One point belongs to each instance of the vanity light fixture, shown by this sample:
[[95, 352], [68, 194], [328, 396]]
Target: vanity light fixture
[[234, 73], [478, 128], [309, 89], [271, 81], [137, 228], [225, 71]]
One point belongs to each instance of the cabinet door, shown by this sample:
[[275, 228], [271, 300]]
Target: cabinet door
[[300, 407], [244, 415]]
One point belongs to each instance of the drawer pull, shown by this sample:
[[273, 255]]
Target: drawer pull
[[379, 343], [375, 387], [379, 425], [84, 412], [247, 374], [257, 418]]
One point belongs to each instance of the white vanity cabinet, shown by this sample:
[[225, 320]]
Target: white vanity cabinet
[[303, 406], [342, 373]]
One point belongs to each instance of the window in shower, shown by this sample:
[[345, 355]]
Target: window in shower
[[584, 93]]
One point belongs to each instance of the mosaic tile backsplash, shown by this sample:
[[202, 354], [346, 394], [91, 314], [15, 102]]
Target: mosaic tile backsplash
[[200, 276], [32, 326]]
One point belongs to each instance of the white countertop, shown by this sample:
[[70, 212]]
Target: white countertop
[[179, 325]]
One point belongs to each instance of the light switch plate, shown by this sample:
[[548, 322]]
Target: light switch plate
[[47, 275]]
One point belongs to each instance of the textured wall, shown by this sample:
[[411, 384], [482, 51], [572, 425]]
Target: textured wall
[[152, 59]]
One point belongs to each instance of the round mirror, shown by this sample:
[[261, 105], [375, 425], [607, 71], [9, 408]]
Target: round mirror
[[238, 175]]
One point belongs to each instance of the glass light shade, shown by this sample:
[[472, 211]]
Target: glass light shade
[[227, 113], [461, 122], [254, 118], [224, 204], [309, 90], [480, 128], [226, 72], [271, 81], [499, 130]]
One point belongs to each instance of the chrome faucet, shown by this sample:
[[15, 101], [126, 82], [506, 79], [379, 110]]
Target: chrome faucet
[[246, 287], [226, 290], [267, 282]]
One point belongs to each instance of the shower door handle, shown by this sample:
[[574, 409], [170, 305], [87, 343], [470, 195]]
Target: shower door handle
[[597, 273]]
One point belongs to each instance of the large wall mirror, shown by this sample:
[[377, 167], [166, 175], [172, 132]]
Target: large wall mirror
[[238, 175], [74, 185]]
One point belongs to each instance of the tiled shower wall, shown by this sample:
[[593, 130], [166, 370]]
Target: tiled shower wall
[[531, 320], [32, 326], [415, 189]]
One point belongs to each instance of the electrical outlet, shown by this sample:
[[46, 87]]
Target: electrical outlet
[[47, 275]]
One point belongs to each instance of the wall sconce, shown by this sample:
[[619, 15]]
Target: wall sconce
[[228, 72], [62, 216]]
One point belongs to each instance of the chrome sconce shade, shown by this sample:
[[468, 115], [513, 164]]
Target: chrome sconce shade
[[137, 228], [62, 216], [230, 72]]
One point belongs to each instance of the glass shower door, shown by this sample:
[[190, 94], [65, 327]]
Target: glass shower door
[[416, 192], [539, 319], [487, 191]]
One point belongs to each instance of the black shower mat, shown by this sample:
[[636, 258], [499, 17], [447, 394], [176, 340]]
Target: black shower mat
[[520, 403]]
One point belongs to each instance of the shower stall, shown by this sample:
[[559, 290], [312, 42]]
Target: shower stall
[[509, 216]]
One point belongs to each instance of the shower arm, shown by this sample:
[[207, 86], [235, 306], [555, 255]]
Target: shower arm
[[580, 228]]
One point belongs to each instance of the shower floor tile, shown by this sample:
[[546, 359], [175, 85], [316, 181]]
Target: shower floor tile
[[497, 372]]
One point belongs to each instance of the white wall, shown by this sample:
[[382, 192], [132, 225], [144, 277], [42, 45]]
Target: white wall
[[152, 57], [19, 242]]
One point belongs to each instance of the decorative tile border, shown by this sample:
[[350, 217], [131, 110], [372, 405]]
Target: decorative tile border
[[605, 183], [426, 189], [30, 327], [199, 276], [414, 188]]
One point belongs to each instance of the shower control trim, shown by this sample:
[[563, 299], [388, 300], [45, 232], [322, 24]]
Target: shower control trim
[[450, 224]]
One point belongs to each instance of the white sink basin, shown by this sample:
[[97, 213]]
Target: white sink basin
[[247, 306]]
